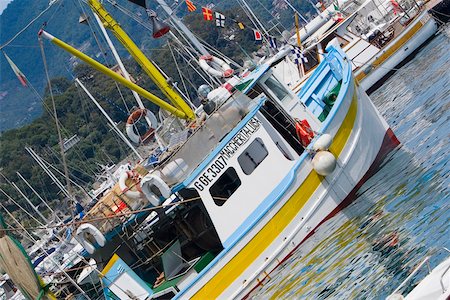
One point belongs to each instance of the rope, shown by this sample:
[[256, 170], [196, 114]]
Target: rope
[[179, 72], [26, 26]]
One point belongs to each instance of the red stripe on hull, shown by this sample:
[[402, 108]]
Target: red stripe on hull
[[390, 142]]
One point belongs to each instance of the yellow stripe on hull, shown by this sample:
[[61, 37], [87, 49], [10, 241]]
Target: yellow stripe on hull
[[242, 260], [383, 57]]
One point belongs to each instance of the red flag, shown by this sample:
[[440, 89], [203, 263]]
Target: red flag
[[258, 35], [19, 74], [395, 6], [190, 5], [207, 14]]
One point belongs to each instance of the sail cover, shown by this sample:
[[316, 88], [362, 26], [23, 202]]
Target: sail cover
[[139, 2]]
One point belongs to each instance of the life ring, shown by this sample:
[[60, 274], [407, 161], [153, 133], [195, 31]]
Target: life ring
[[206, 61], [136, 115], [304, 132], [126, 189], [92, 230], [150, 180]]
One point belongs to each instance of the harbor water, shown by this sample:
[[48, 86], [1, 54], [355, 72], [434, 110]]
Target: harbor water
[[402, 213]]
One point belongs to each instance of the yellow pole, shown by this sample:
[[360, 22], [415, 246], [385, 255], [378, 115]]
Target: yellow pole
[[299, 42], [105, 70], [297, 30], [140, 58]]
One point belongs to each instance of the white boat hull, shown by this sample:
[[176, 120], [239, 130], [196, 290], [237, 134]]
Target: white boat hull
[[362, 139], [419, 31]]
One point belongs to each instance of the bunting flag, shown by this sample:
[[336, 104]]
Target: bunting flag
[[220, 20], [257, 35], [240, 25], [273, 42], [19, 74], [299, 57], [190, 5], [396, 7], [207, 14]]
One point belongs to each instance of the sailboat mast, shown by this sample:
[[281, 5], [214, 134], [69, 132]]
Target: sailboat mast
[[121, 135], [30, 203], [46, 170], [36, 193]]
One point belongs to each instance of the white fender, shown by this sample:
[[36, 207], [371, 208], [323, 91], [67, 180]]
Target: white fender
[[153, 180], [323, 142], [91, 229], [225, 69], [324, 163], [125, 189], [137, 114]]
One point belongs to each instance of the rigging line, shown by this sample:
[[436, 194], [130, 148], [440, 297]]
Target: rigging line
[[18, 205], [61, 145], [270, 13], [83, 12], [103, 52], [181, 75], [28, 25], [115, 216], [188, 61], [188, 50], [61, 173]]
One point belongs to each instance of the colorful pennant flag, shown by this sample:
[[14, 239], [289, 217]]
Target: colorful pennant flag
[[257, 35], [241, 25], [220, 20], [207, 14], [190, 5], [19, 74]]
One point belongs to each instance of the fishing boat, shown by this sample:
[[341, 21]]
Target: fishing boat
[[240, 183], [377, 37]]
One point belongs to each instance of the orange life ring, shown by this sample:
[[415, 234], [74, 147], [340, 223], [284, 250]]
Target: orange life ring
[[129, 127], [304, 132]]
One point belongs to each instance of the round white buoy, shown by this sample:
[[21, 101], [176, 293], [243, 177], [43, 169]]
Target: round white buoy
[[324, 163], [323, 142]]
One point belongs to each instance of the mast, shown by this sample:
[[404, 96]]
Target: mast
[[36, 193], [121, 66], [49, 173], [121, 135], [30, 203], [189, 114], [180, 25], [26, 198], [141, 59]]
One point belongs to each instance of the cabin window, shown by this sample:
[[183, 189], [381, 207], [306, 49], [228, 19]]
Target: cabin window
[[276, 87], [225, 186], [252, 157]]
